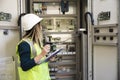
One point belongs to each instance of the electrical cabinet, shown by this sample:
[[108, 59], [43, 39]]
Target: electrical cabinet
[[59, 29]]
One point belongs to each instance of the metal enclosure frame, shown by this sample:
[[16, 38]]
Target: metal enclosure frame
[[83, 43], [118, 40], [79, 60]]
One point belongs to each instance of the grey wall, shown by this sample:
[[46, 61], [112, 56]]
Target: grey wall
[[8, 43]]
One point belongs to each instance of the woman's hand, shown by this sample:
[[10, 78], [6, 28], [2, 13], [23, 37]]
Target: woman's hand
[[45, 50]]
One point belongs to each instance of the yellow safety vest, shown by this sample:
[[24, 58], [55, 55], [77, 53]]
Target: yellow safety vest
[[38, 72]]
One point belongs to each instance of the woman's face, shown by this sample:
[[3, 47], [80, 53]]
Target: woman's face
[[40, 26]]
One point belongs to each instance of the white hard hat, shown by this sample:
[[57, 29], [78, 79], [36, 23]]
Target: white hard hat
[[29, 20]]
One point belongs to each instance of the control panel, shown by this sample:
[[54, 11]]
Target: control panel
[[105, 34]]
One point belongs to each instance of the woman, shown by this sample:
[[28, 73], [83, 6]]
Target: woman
[[30, 51]]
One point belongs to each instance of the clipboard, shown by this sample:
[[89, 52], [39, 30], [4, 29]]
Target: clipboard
[[50, 56]]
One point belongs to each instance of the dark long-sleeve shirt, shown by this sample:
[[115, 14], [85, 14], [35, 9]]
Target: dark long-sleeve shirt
[[25, 59]]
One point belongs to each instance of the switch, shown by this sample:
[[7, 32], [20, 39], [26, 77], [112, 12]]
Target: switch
[[97, 37], [96, 31], [5, 32], [104, 38], [111, 38], [110, 30]]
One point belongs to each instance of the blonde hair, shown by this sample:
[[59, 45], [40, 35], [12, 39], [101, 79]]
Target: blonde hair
[[35, 34]]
